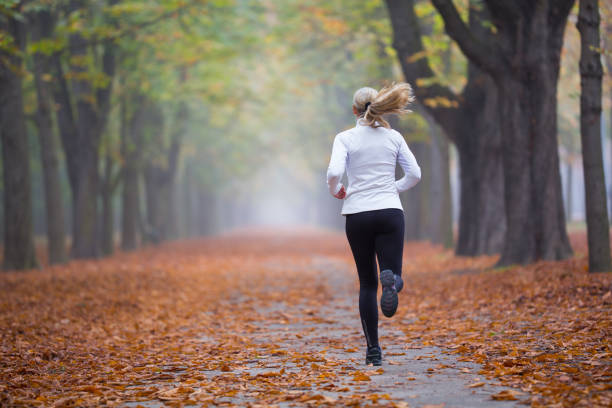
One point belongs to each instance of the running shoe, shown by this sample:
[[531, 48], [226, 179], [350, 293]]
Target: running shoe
[[374, 356], [399, 283], [388, 300]]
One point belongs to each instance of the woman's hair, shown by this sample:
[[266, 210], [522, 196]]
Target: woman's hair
[[372, 104]]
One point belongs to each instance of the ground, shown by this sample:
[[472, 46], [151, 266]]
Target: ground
[[270, 318]]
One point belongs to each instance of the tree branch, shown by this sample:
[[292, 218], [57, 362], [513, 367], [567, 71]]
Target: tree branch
[[415, 65], [131, 29], [560, 9], [504, 10], [487, 58]]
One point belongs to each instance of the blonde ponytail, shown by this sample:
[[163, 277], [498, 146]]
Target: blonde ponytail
[[372, 105]]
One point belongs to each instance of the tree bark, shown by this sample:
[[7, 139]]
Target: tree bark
[[610, 158], [42, 28], [441, 227], [436, 194], [591, 72], [107, 209], [523, 58], [156, 184], [471, 122], [569, 196], [607, 37], [415, 200], [109, 186], [482, 224], [82, 114], [160, 173], [131, 148], [190, 193], [19, 250], [85, 189]]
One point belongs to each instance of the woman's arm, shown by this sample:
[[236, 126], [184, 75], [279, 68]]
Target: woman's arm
[[337, 166], [412, 171]]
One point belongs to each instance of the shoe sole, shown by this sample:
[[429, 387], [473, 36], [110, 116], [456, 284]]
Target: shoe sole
[[375, 360], [375, 363], [388, 300]]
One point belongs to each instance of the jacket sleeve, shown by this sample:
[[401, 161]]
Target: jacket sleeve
[[412, 171], [337, 165]]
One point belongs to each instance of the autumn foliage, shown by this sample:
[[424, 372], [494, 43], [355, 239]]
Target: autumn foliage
[[229, 321]]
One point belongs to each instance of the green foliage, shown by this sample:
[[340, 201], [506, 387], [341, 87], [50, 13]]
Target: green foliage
[[263, 82], [12, 9]]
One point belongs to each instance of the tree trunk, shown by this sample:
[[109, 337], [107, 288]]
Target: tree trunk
[[610, 158], [569, 196], [446, 224], [607, 58], [109, 185], [107, 212], [440, 220], [42, 28], [85, 189], [81, 131], [415, 200], [471, 122], [534, 204], [523, 57], [481, 199], [191, 197], [482, 226], [442, 228], [158, 194], [174, 228], [591, 72], [19, 250], [131, 147], [160, 176]]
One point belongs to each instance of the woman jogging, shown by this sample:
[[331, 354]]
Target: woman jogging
[[374, 216]]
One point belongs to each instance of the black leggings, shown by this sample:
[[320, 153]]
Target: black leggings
[[370, 233]]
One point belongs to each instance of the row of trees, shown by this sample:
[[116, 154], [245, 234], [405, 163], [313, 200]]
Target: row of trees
[[158, 110], [87, 72], [161, 111], [504, 123]]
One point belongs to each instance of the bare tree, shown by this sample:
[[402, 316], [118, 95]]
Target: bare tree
[[591, 72]]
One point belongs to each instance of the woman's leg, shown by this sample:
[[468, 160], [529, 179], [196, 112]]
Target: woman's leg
[[359, 231], [389, 241]]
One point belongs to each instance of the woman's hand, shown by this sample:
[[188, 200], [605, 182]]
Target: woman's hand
[[341, 194]]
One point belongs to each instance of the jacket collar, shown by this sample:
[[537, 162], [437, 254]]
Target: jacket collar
[[359, 124]]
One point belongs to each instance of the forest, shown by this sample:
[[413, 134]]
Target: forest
[[151, 146], [126, 123]]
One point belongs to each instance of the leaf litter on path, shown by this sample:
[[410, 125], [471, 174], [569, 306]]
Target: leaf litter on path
[[271, 318]]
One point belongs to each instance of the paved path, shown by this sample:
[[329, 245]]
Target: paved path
[[322, 335]]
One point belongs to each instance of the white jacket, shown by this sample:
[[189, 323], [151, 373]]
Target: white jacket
[[369, 156]]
